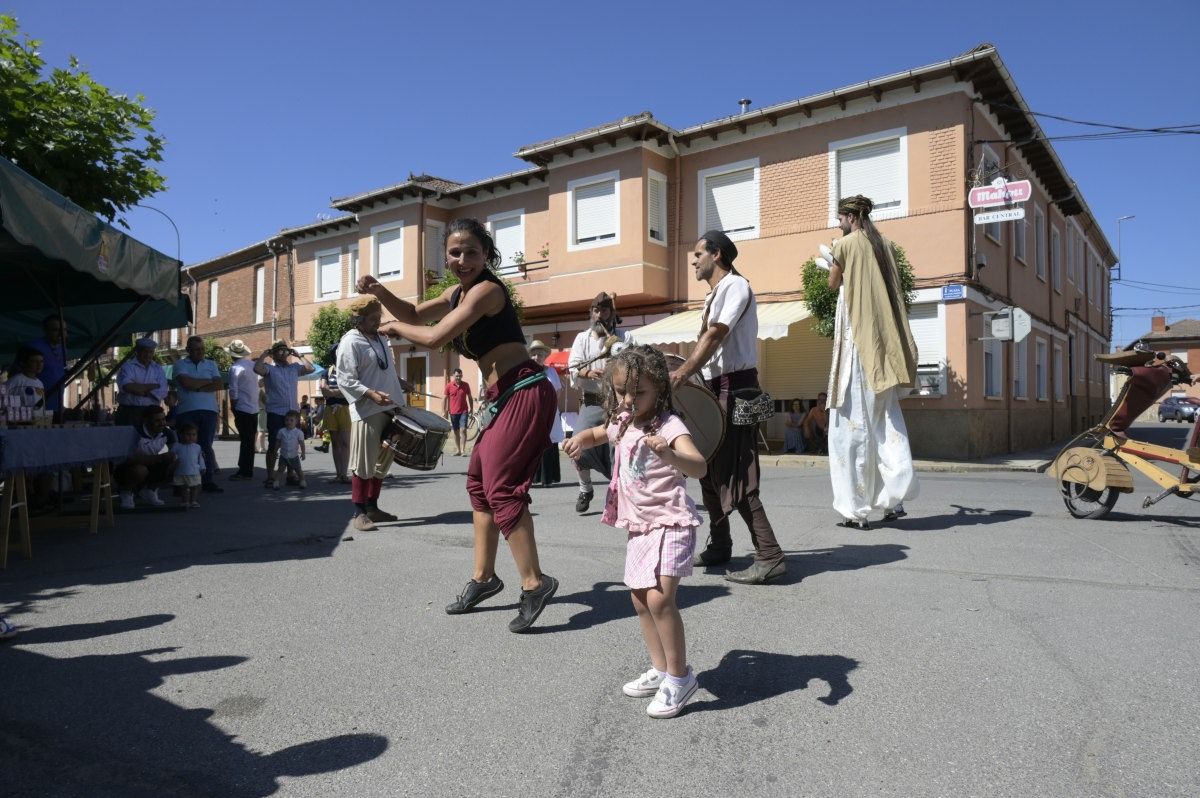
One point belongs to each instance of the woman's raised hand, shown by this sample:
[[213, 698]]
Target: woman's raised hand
[[369, 285]]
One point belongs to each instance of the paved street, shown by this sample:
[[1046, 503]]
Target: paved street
[[988, 644]]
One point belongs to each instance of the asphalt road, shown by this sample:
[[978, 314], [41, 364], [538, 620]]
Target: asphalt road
[[988, 644]]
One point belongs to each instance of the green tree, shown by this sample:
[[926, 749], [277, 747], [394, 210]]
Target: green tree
[[448, 280], [72, 133], [327, 328], [214, 351], [822, 301]]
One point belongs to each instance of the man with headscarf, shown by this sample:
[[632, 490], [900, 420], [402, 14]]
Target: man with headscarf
[[141, 383], [870, 464], [367, 377], [727, 357], [586, 365]]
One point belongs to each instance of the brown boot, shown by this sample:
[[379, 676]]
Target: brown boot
[[375, 514], [363, 524]]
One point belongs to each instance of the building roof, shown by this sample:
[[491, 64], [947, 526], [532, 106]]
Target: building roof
[[347, 221], [259, 249], [415, 185], [639, 127], [1182, 330]]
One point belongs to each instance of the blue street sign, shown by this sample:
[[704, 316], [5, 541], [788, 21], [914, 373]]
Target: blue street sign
[[952, 292]]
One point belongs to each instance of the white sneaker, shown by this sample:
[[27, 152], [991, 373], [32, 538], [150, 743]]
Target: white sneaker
[[126, 500], [645, 685], [7, 629], [150, 496], [670, 699]]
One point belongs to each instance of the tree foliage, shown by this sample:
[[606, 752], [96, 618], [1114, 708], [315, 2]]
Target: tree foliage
[[822, 300], [448, 280], [327, 328], [72, 133], [214, 351]]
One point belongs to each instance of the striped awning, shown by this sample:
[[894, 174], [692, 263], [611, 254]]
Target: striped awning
[[774, 319]]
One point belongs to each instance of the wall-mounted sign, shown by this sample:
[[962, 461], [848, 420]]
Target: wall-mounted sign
[[1006, 215], [1000, 193], [952, 292]]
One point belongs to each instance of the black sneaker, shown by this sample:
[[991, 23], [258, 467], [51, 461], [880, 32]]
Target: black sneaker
[[584, 500], [713, 555], [474, 593], [532, 604]]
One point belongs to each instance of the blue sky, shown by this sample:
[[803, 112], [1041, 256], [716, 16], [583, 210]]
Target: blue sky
[[271, 108]]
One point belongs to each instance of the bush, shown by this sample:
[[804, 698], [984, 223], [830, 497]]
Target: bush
[[330, 324], [822, 301], [448, 280]]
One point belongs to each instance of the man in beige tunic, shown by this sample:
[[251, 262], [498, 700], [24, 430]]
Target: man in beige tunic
[[874, 357]]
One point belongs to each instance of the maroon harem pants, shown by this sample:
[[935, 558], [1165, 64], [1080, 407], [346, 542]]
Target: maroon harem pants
[[508, 452]]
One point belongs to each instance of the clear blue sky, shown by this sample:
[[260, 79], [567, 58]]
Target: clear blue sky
[[271, 108]]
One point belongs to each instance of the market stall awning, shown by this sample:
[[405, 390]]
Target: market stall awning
[[682, 328], [54, 254]]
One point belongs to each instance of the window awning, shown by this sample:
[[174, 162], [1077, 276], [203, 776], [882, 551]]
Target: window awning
[[682, 328]]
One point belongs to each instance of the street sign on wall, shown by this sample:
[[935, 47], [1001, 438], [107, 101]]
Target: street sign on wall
[[1006, 215], [952, 292], [1000, 193]]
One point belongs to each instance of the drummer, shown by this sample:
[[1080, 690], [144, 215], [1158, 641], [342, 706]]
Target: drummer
[[587, 360], [478, 319], [727, 357], [367, 377]]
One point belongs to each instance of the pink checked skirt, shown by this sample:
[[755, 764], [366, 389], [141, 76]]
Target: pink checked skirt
[[663, 551]]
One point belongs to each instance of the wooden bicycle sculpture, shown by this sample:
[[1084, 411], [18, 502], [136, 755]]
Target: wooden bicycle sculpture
[[1093, 469]]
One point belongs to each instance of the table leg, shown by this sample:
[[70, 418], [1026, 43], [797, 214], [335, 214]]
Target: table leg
[[15, 498], [106, 497], [94, 518]]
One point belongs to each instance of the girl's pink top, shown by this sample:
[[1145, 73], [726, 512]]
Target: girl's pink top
[[647, 493]]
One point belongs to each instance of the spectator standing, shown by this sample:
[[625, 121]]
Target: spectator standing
[[793, 437], [457, 406], [189, 463], [53, 346], [281, 368], [336, 421], [25, 380], [198, 380], [243, 395], [141, 383], [290, 442]]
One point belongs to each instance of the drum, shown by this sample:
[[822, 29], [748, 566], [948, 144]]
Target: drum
[[699, 410], [415, 438], [702, 415]]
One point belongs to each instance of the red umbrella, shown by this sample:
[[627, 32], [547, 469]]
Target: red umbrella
[[558, 360]]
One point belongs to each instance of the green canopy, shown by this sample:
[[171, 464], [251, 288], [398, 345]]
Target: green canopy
[[55, 255]]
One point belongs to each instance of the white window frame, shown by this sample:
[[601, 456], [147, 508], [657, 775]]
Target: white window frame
[[1020, 374], [318, 294], [260, 293], [702, 192], [656, 181], [900, 133], [931, 372], [174, 337], [1040, 381], [583, 182], [352, 269], [1056, 258], [993, 230], [1020, 234], [510, 268], [214, 290], [439, 253], [995, 374], [1039, 243], [375, 232], [1058, 369]]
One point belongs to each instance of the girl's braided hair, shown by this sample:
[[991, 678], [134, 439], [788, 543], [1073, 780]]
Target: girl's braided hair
[[638, 362]]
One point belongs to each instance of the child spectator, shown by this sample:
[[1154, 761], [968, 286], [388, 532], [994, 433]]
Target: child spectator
[[189, 463], [290, 441], [23, 379]]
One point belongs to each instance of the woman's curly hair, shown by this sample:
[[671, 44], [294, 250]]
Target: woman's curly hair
[[638, 362]]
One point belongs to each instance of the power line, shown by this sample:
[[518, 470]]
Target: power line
[[1164, 129], [1156, 285], [1160, 307]]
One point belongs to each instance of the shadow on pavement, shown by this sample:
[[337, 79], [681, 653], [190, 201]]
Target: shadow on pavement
[[92, 725], [744, 677], [604, 604], [803, 564], [964, 516]]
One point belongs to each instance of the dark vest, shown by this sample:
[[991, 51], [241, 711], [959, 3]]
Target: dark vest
[[489, 331]]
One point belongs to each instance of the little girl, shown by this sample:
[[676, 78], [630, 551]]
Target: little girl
[[653, 454], [189, 464]]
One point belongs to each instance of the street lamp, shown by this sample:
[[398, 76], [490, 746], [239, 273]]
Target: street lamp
[[178, 251], [1120, 263]]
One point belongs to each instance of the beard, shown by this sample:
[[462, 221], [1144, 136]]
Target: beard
[[601, 328]]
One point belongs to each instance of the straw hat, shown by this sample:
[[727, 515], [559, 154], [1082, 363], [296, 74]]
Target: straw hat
[[237, 348], [537, 346]]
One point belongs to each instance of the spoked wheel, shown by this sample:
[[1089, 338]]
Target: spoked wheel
[[1085, 502]]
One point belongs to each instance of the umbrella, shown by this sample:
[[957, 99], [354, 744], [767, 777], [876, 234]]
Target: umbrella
[[558, 361]]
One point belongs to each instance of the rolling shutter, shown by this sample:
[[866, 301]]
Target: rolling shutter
[[390, 251], [872, 170], [509, 235], [929, 332], [329, 268], [657, 209], [731, 202], [595, 212]]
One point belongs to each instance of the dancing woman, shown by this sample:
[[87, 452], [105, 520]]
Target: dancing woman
[[478, 319]]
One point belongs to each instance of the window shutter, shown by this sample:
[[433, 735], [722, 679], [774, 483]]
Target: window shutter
[[390, 250], [872, 170], [260, 293], [731, 202], [330, 275], [657, 209], [509, 235], [929, 333], [1020, 369], [595, 212], [435, 253]]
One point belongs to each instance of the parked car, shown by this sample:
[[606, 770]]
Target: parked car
[[1178, 408]]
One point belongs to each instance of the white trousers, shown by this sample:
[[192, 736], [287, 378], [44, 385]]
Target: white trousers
[[870, 463]]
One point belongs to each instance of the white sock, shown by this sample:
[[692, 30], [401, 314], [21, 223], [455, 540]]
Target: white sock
[[680, 681]]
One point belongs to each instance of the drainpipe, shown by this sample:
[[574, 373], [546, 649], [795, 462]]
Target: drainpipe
[[274, 294], [420, 248], [674, 248]]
